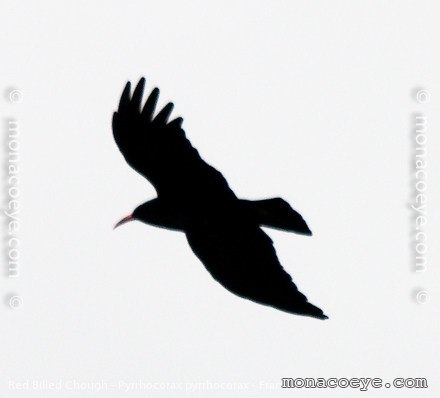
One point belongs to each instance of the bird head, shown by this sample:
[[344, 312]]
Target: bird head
[[145, 213], [157, 213]]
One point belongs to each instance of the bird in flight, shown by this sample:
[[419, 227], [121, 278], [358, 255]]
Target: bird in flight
[[223, 231]]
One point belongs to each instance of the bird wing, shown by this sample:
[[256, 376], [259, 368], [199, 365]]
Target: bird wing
[[242, 258], [160, 151]]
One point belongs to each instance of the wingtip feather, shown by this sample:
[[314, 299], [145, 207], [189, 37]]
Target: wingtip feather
[[137, 95], [164, 114], [177, 122], [150, 104], [125, 97]]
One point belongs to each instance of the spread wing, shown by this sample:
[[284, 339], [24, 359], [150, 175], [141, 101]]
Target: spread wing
[[160, 151], [242, 258]]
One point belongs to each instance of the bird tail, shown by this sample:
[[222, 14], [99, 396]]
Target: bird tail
[[277, 213]]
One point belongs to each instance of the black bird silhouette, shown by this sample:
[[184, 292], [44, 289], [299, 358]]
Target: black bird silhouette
[[223, 231]]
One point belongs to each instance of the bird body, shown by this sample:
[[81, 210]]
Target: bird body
[[222, 230], [182, 216]]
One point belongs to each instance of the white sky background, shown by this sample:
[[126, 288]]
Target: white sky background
[[310, 101]]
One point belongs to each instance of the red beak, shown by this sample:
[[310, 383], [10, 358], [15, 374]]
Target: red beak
[[124, 220]]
